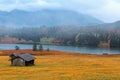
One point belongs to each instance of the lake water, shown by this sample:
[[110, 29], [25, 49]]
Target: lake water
[[91, 50]]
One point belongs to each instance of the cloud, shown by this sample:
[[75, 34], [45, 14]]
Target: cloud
[[26, 4], [79, 5], [108, 13], [64, 4], [106, 10], [117, 1]]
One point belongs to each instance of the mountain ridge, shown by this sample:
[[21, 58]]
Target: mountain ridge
[[22, 18]]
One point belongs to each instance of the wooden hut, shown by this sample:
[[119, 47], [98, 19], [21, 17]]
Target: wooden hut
[[21, 59]]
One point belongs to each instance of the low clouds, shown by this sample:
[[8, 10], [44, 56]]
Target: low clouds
[[8, 5], [106, 10], [108, 13]]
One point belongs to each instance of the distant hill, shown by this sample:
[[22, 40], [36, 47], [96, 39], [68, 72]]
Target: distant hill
[[108, 26], [19, 18]]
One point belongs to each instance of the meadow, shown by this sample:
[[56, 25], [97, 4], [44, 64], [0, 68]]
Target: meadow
[[63, 67]]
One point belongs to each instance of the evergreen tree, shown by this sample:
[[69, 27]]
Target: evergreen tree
[[48, 49], [34, 46], [40, 47], [17, 48]]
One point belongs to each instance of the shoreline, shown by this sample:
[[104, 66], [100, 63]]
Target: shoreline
[[72, 49], [51, 52]]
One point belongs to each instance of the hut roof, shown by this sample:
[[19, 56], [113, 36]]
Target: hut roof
[[26, 57]]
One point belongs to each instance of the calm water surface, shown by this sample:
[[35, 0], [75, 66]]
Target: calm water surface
[[91, 50]]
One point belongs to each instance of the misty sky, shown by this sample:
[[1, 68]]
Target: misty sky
[[106, 10]]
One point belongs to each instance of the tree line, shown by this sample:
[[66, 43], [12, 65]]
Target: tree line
[[69, 35]]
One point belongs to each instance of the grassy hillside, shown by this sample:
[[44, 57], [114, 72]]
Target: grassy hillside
[[63, 67]]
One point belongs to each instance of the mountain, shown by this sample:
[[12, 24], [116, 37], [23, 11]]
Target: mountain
[[45, 18], [108, 26]]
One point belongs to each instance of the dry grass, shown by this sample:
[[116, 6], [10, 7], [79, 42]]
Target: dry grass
[[63, 67], [51, 52]]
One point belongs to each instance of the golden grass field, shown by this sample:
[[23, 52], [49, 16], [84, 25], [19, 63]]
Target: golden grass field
[[63, 67]]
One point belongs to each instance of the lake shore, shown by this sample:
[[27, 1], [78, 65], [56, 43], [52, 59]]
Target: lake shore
[[51, 52]]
